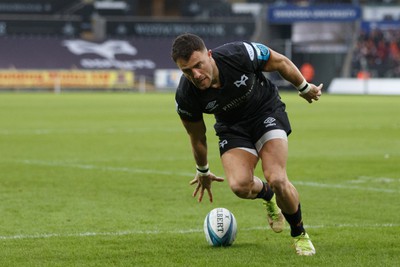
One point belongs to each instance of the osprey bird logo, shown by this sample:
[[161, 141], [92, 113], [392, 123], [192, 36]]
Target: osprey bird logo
[[242, 81], [107, 49]]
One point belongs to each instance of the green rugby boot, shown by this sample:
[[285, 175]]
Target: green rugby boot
[[303, 245], [274, 215]]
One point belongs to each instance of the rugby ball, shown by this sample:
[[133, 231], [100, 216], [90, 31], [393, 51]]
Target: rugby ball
[[220, 227]]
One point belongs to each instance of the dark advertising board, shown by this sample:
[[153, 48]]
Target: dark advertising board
[[140, 55]]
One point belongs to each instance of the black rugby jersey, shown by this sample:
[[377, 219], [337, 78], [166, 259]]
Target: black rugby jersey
[[244, 90]]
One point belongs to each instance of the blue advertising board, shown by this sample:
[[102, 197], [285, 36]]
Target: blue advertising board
[[332, 13], [367, 26]]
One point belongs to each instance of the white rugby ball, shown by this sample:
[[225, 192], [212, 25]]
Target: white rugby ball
[[220, 227]]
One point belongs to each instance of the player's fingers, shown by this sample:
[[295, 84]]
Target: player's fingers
[[196, 190], [194, 181], [218, 179], [210, 196], [201, 195], [319, 92], [305, 97]]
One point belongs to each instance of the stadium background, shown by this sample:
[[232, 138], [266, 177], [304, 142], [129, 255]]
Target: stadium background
[[125, 44], [102, 179]]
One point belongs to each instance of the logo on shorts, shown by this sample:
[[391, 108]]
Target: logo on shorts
[[270, 121], [223, 143]]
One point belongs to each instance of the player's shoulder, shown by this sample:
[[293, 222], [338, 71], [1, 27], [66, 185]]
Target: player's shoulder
[[184, 89], [241, 51], [231, 47], [234, 52]]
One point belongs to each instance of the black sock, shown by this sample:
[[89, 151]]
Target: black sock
[[296, 222], [266, 192]]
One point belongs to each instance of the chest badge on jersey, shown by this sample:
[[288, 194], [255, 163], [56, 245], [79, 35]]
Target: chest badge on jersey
[[211, 105], [242, 81]]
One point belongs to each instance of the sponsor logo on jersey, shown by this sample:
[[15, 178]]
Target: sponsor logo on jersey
[[242, 81], [250, 51], [262, 51], [239, 100], [270, 121]]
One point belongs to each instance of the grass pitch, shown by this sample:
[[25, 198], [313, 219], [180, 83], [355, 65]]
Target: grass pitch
[[103, 180]]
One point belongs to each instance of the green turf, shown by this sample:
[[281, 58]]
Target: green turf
[[102, 180]]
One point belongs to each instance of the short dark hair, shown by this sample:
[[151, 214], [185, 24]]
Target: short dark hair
[[185, 44]]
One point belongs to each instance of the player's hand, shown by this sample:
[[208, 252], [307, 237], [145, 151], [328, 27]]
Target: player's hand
[[204, 183], [313, 94]]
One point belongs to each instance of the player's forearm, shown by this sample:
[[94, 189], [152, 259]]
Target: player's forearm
[[199, 149], [285, 67], [291, 73], [198, 140]]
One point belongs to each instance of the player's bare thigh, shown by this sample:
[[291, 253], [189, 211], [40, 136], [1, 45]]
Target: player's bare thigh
[[273, 155], [239, 165]]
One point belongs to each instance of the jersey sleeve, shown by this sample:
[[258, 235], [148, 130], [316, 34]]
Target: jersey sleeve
[[186, 105], [258, 53]]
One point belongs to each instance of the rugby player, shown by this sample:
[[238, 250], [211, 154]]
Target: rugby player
[[251, 123]]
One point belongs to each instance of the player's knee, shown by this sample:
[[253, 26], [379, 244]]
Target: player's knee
[[278, 183], [241, 189]]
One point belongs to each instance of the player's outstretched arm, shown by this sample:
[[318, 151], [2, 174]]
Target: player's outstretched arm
[[198, 140], [288, 70]]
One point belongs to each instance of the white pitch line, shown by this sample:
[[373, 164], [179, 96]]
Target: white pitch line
[[187, 174], [112, 169], [182, 231], [346, 186], [84, 131]]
